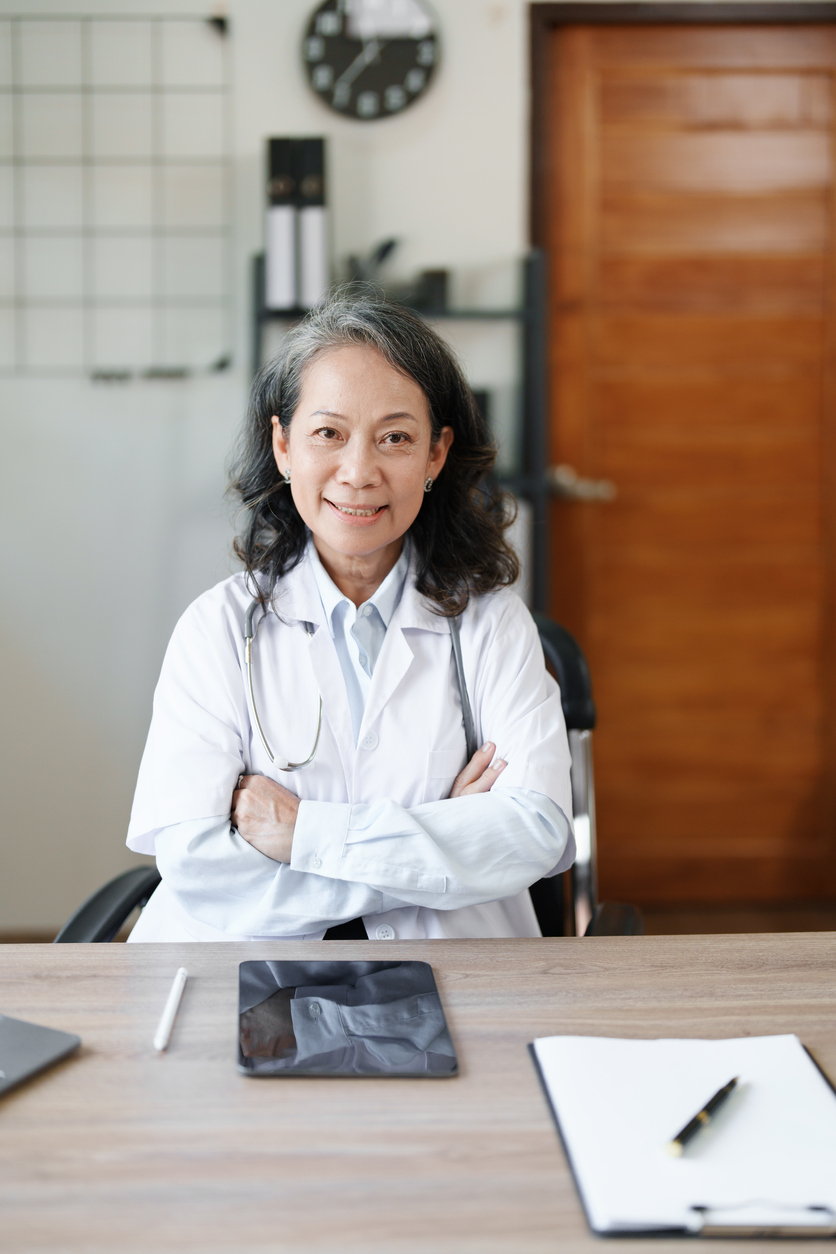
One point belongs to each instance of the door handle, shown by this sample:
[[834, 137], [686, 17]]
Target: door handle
[[565, 483]]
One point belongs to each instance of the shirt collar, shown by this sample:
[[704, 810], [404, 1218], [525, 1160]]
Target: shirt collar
[[297, 599], [385, 599]]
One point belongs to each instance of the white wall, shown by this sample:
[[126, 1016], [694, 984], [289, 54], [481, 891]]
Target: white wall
[[112, 515]]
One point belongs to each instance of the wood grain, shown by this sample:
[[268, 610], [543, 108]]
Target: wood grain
[[121, 1149], [689, 216], [725, 161], [747, 49], [752, 284], [717, 100], [660, 223]]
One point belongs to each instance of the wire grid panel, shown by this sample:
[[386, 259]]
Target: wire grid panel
[[115, 195]]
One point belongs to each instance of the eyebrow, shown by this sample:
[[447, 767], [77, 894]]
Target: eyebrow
[[398, 415]]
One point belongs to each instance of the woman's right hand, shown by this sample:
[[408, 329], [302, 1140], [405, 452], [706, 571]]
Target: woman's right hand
[[479, 775]]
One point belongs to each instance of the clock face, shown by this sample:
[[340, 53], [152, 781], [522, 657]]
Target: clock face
[[370, 59]]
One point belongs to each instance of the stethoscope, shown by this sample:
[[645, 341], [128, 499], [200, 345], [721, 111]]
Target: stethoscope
[[280, 763]]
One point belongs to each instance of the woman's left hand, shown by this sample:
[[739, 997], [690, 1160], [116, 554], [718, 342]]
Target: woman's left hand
[[265, 815], [479, 775]]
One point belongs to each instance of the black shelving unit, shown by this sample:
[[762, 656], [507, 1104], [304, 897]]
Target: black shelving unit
[[531, 483]]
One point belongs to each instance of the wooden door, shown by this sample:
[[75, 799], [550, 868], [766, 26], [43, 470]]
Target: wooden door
[[688, 210]]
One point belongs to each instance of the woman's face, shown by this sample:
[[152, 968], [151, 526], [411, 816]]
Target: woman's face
[[359, 451]]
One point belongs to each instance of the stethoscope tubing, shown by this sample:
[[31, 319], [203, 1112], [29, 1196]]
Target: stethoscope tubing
[[280, 763], [249, 636]]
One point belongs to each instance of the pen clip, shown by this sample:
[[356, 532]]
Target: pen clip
[[765, 1219]]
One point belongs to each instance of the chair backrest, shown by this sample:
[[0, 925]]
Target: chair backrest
[[100, 917], [565, 657]]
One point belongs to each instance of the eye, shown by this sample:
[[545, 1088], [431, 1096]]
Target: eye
[[327, 433], [397, 437]]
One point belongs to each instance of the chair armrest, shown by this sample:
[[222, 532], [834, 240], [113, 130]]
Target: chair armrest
[[101, 916], [548, 900], [612, 919]]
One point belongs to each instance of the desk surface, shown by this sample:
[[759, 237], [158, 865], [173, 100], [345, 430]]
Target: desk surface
[[120, 1150]]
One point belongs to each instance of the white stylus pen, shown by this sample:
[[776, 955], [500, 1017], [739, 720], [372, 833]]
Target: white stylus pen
[[163, 1035]]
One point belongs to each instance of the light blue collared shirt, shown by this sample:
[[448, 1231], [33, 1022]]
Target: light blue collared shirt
[[358, 632]]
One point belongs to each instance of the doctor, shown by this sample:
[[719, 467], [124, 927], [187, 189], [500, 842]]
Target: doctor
[[323, 787]]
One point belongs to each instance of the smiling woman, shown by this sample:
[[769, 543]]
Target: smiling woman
[[370, 526], [362, 443]]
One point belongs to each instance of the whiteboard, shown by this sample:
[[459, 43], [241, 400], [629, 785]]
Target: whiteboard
[[115, 196]]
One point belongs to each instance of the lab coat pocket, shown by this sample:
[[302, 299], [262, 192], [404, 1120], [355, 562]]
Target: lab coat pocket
[[443, 765]]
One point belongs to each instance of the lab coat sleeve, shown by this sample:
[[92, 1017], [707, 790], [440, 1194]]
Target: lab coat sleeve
[[470, 849], [443, 855], [194, 752], [220, 879], [517, 703]]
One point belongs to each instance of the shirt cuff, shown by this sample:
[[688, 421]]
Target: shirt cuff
[[319, 837]]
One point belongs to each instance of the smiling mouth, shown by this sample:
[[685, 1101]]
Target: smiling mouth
[[357, 513]]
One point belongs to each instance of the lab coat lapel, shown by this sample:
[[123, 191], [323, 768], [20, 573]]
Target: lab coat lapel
[[329, 677], [297, 600], [397, 656], [394, 661]]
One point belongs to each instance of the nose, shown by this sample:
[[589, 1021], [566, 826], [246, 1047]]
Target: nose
[[359, 465]]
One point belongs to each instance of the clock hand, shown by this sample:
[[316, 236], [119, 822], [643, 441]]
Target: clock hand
[[364, 58]]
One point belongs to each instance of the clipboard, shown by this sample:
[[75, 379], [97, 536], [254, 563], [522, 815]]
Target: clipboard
[[764, 1167]]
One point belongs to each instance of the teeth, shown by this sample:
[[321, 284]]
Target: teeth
[[359, 513]]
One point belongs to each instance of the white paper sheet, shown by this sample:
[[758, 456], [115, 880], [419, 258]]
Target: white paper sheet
[[771, 1147]]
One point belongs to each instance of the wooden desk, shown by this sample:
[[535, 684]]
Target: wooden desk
[[120, 1150]]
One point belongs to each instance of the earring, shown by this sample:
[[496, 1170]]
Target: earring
[[286, 475], [428, 486]]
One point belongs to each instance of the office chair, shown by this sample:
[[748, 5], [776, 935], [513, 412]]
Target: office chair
[[565, 659], [102, 914], [100, 917]]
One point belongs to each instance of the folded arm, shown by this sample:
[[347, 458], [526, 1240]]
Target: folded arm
[[265, 812], [442, 855], [372, 859]]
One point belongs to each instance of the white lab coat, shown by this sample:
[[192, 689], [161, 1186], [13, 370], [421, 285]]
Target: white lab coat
[[359, 847]]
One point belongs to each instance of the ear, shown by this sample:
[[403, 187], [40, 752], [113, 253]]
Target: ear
[[439, 451], [281, 445]]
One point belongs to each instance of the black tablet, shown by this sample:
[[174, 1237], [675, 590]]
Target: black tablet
[[342, 1019], [27, 1048]]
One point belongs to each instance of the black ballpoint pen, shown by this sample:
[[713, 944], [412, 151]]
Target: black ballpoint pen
[[701, 1118]]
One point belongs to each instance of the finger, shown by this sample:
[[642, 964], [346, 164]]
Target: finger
[[486, 780], [239, 805], [474, 768]]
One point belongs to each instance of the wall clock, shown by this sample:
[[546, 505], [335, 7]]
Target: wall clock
[[370, 59]]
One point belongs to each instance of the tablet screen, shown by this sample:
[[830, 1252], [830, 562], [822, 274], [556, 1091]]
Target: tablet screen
[[343, 1019], [27, 1048]]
